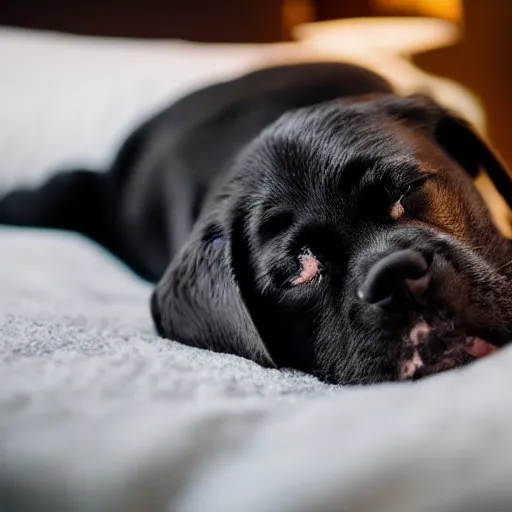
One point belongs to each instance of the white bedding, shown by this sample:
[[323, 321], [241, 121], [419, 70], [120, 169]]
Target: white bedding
[[99, 414]]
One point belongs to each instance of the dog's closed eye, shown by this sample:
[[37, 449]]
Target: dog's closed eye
[[273, 224], [405, 202], [397, 210]]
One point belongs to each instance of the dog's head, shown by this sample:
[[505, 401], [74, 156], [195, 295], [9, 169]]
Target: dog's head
[[349, 241]]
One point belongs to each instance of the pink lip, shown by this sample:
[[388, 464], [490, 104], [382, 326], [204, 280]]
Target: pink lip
[[414, 366], [480, 348]]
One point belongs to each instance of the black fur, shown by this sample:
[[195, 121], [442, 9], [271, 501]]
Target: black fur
[[219, 197]]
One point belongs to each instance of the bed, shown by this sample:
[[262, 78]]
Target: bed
[[99, 414]]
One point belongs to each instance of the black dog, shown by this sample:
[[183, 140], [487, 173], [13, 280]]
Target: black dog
[[303, 216]]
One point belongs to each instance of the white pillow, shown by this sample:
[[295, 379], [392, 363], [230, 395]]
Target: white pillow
[[70, 100]]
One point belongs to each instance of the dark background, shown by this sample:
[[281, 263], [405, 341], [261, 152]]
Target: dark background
[[481, 61]]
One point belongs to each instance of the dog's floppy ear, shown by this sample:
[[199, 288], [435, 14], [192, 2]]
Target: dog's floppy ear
[[458, 138], [462, 142], [278, 325], [199, 302]]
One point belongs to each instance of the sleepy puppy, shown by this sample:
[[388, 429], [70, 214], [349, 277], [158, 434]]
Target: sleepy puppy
[[303, 216]]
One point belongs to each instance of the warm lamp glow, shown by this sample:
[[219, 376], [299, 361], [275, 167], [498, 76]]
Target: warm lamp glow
[[387, 45], [447, 9], [401, 35]]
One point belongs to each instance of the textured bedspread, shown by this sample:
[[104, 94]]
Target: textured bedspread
[[97, 413]]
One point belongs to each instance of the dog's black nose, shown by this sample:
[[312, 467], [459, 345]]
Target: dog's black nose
[[402, 271], [155, 313]]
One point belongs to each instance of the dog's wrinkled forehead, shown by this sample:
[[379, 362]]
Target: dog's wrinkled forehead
[[336, 147]]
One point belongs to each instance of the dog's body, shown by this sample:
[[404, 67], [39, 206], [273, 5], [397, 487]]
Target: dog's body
[[303, 216]]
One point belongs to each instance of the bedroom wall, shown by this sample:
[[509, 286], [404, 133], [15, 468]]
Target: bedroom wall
[[247, 21]]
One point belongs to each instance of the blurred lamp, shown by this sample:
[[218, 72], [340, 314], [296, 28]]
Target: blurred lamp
[[446, 9]]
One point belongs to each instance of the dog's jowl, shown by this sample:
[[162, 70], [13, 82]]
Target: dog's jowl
[[303, 216]]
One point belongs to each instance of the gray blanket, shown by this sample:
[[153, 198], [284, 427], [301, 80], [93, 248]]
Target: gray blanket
[[99, 414]]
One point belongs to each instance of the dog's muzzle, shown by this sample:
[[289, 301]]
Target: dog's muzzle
[[399, 282]]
